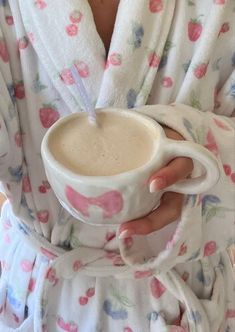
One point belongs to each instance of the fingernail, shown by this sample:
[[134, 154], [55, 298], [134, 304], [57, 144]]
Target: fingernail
[[126, 233], [157, 184]]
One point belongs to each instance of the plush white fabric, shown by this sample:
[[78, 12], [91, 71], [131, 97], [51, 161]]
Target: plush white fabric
[[59, 274]]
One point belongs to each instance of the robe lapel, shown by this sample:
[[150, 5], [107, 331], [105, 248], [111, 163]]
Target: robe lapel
[[138, 40], [63, 33]]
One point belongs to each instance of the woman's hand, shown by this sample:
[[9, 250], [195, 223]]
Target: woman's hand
[[171, 203]]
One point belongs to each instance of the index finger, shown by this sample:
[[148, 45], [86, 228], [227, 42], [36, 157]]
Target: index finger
[[168, 211], [178, 169]]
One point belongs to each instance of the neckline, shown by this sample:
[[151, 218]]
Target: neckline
[[99, 38]]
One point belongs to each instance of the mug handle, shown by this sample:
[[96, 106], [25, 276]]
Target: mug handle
[[195, 151]]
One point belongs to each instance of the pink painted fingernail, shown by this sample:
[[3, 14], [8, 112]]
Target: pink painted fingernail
[[126, 233], [157, 184]]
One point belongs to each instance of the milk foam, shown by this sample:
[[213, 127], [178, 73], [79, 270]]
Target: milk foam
[[119, 144]]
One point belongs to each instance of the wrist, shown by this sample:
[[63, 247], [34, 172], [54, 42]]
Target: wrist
[[172, 134]]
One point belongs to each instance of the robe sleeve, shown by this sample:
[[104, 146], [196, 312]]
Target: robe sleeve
[[207, 223], [4, 134], [10, 137], [7, 111]]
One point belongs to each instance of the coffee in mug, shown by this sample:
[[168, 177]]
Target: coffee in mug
[[116, 145]]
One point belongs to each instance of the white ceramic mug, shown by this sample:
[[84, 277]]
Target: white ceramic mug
[[126, 196]]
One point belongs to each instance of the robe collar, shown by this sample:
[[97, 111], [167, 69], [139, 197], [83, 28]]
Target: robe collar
[[63, 33]]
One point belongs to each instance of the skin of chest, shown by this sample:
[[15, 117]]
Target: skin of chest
[[104, 12]]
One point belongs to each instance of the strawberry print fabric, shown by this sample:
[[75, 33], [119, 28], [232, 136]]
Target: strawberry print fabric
[[58, 274]]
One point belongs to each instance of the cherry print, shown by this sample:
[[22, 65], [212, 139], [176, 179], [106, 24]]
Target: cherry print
[[210, 248], [200, 70], [155, 6], [19, 90], [227, 169], [4, 55], [32, 283], [153, 60], [167, 82], [26, 265], [9, 20], [90, 292], [43, 216], [77, 265], [23, 43], [72, 30], [157, 288], [83, 300], [75, 16], [42, 189], [40, 4]]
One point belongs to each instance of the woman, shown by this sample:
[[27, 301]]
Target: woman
[[59, 274]]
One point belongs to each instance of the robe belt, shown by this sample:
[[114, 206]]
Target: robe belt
[[100, 263]]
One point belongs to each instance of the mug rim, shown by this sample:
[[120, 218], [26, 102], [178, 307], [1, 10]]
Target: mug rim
[[58, 167]]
